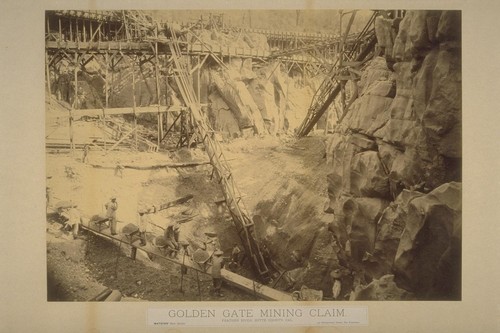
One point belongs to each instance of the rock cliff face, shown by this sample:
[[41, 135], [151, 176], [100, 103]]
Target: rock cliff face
[[395, 160], [260, 100]]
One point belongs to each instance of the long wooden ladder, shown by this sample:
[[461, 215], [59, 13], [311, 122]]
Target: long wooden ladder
[[330, 87], [232, 195]]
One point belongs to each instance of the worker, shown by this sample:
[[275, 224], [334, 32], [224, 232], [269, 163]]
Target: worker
[[48, 193], [143, 224], [119, 169], [212, 244], [177, 232], [74, 219], [235, 254], [217, 265], [337, 284], [111, 208], [169, 237], [86, 150]]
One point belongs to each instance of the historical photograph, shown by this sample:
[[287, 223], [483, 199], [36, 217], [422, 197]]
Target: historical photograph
[[253, 155]]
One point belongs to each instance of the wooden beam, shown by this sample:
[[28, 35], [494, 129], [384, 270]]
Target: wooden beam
[[199, 65], [73, 105], [47, 73], [106, 88], [157, 77], [96, 31], [70, 30], [133, 99], [79, 113], [126, 135]]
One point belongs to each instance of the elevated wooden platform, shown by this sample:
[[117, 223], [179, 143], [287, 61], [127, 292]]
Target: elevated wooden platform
[[123, 46], [79, 113]]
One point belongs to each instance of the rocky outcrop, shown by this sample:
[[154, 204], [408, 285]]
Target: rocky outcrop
[[428, 258], [231, 92], [263, 92], [261, 99], [384, 289], [395, 160]]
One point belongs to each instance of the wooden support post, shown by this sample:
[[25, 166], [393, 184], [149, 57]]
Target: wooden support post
[[60, 30], [47, 73], [198, 282], [106, 59], [125, 136], [167, 104], [106, 88], [134, 102], [183, 268], [157, 74], [84, 32], [111, 95], [198, 79], [91, 32], [70, 30], [133, 253], [73, 106]]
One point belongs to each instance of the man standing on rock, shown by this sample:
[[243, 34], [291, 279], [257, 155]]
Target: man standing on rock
[[119, 169], [86, 149], [217, 264], [111, 208]]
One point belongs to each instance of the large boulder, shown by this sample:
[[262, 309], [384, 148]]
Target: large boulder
[[423, 83], [291, 224], [241, 103], [423, 29], [383, 289], [375, 71], [406, 169], [368, 176], [341, 152], [402, 127], [221, 117], [449, 26], [359, 217], [389, 229], [263, 94], [442, 117], [429, 248], [399, 52], [369, 112], [385, 34], [323, 255]]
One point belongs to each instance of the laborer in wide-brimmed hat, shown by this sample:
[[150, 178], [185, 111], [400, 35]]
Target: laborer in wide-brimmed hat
[[217, 264]]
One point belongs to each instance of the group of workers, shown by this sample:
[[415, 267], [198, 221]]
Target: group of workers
[[171, 237]]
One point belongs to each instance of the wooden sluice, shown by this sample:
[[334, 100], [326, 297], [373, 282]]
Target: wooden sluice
[[245, 284]]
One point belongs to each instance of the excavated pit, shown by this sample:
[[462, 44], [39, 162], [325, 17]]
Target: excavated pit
[[376, 204], [286, 180]]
